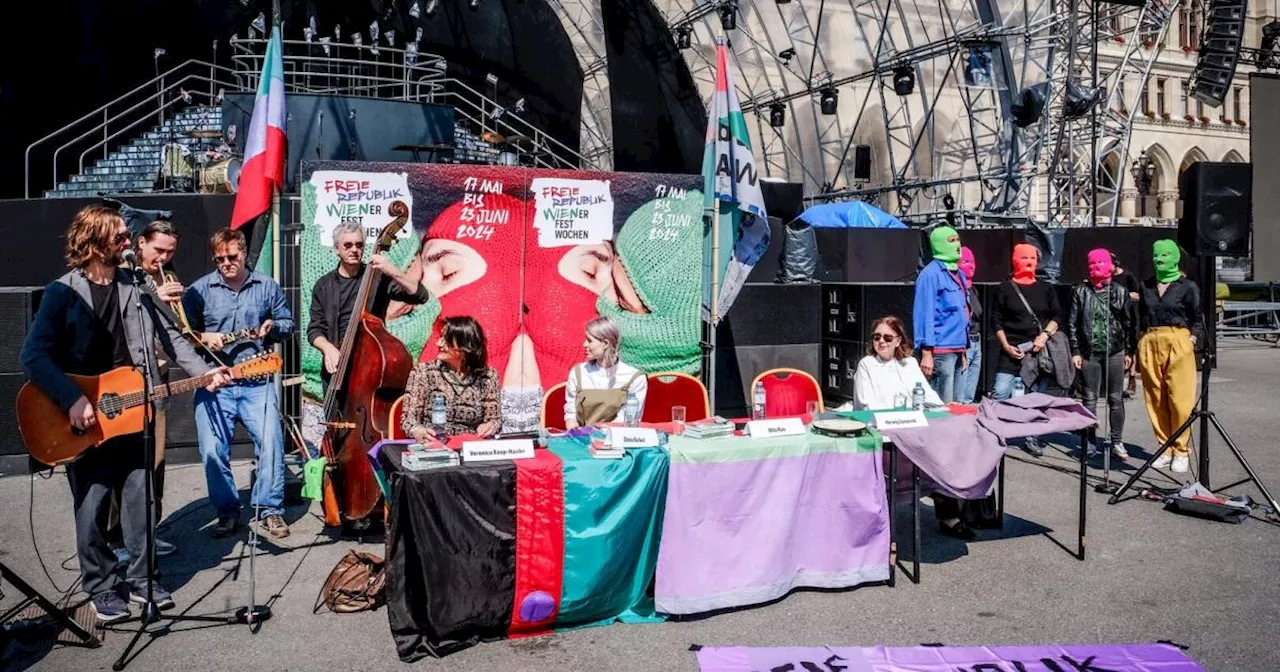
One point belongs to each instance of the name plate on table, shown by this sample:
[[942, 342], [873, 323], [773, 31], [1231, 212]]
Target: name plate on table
[[632, 437], [900, 420], [780, 427], [492, 451]]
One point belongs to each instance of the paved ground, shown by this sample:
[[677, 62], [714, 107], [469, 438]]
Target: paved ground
[[1150, 575]]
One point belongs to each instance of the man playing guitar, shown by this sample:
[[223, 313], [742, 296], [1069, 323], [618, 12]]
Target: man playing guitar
[[86, 325], [229, 299]]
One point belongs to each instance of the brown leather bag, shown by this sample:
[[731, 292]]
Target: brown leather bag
[[355, 584]]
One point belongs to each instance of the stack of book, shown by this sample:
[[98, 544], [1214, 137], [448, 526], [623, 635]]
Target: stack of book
[[711, 428], [417, 457], [602, 450]]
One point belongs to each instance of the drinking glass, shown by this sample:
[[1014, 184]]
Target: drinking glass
[[678, 416], [811, 409], [901, 400]]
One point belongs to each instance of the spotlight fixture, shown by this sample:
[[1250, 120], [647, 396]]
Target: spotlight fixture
[[828, 98], [729, 15], [787, 54], [777, 115], [431, 7], [783, 2], [474, 5], [904, 80], [684, 37]]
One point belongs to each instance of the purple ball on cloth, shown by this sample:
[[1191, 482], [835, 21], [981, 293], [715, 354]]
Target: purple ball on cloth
[[537, 606]]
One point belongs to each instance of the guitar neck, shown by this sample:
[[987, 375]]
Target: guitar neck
[[181, 386]]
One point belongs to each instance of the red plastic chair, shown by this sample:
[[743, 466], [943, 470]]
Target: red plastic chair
[[393, 419], [787, 391], [675, 389], [553, 408]]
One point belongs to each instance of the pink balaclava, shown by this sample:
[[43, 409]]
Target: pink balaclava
[[968, 266], [1100, 267]]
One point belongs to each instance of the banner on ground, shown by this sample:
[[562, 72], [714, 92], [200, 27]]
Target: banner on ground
[[1053, 658], [531, 254]]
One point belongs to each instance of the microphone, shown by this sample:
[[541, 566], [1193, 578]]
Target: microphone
[[130, 257]]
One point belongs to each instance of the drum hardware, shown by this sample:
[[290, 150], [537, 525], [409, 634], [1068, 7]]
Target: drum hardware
[[220, 177]]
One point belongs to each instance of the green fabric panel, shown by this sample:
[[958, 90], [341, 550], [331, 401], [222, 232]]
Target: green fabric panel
[[612, 522], [685, 450], [865, 416]]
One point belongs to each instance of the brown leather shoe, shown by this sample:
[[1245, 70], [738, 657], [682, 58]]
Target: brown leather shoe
[[275, 526]]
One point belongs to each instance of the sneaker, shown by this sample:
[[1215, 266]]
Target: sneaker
[[225, 525], [1034, 447], [109, 607], [1181, 464], [275, 526], [164, 600], [1092, 450], [1162, 462], [122, 555], [164, 548], [1118, 451]]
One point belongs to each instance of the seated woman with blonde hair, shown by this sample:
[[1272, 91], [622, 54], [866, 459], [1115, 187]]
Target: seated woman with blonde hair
[[597, 389], [461, 375]]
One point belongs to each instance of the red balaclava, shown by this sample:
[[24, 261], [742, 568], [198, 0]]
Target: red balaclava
[[968, 266], [557, 310], [1100, 268], [493, 299], [1025, 258]]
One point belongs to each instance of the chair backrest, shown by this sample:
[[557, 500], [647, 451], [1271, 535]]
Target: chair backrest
[[393, 419], [787, 391], [553, 408], [675, 389]]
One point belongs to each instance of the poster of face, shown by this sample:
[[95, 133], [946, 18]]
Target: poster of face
[[532, 255]]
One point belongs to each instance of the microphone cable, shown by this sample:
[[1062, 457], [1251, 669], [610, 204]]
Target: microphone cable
[[31, 525]]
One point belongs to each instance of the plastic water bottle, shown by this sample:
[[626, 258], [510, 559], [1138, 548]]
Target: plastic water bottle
[[917, 397], [438, 415], [631, 413], [1018, 388], [757, 402]]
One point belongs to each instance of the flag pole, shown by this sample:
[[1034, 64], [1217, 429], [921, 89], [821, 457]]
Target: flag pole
[[715, 300], [275, 235]]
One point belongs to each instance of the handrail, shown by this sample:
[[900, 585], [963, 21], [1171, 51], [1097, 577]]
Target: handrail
[[172, 103]]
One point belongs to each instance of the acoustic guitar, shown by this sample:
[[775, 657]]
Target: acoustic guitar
[[117, 398]]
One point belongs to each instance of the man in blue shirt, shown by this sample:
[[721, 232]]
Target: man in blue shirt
[[941, 314], [230, 299]]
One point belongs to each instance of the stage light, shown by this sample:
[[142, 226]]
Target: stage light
[[904, 80], [777, 115], [729, 15], [828, 99], [783, 2], [414, 10], [684, 37], [474, 5], [787, 54], [432, 5], [519, 106], [259, 25]]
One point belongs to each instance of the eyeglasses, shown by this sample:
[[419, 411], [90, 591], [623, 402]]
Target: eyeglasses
[[121, 238], [348, 246], [230, 259], [887, 338]]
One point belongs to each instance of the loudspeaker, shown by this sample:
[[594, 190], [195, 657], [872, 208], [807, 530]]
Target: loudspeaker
[[862, 162], [10, 438], [868, 255], [1219, 51], [881, 300], [18, 305], [769, 326], [839, 364], [1216, 209], [992, 251], [784, 200], [841, 312]]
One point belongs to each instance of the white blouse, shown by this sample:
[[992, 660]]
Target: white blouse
[[876, 383], [595, 377]]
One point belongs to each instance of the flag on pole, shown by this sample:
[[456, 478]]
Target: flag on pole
[[263, 171], [731, 189]]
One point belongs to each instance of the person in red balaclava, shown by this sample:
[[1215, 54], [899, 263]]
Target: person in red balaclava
[[1102, 329], [1025, 314]]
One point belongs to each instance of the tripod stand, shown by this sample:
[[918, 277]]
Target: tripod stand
[[1202, 412], [251, 614]]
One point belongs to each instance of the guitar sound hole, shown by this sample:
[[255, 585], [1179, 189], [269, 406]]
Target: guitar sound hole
[[109, 405]]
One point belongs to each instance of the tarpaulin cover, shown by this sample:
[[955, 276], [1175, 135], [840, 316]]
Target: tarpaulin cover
[[799, 253], [1074, 658], [850, 215], [748, 520]]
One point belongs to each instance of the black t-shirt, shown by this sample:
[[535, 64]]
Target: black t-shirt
[[1019, 327], [107, 348], [347, 289], [1129, 281]]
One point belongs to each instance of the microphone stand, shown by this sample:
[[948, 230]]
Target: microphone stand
[[150, 611]]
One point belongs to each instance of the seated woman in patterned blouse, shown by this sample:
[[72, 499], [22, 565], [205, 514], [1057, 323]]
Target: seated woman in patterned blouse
[[461, 374]]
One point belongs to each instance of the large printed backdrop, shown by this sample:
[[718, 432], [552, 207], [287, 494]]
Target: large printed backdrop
[[532, 255]]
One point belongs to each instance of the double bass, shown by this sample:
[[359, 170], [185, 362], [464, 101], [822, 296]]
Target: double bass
[[372, 373]]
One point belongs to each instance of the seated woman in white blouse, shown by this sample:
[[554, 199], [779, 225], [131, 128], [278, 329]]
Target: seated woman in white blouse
[[597, 389], [889, 370]]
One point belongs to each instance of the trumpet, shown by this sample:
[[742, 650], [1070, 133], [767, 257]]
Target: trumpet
[[176, 305]]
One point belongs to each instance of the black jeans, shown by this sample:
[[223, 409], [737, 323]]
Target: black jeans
[[117, 464], [1113, 383]]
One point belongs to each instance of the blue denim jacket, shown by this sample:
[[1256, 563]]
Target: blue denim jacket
[[211, 305], [939, 316]]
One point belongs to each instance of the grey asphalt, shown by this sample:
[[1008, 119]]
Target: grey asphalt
[[1150, 575]]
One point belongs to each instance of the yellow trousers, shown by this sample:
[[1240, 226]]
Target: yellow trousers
[[1168, 364]]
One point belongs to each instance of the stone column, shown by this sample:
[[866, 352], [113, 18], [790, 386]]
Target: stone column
[[1129, 203], [1168, 204]]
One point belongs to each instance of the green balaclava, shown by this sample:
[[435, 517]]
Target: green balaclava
[[662, 262], [945, 243], [1166, 256]]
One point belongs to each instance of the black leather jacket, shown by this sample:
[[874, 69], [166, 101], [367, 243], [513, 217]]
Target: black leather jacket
[[1124, 323]]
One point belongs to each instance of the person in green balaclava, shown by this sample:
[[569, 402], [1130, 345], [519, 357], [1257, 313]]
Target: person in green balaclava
[[945, 243], [1169, 310]]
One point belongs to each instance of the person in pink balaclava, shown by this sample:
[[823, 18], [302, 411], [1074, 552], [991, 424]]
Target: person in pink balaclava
[[1102, 329], [967, 379]]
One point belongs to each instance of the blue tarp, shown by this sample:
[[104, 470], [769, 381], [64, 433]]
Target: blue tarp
[[850, 215]]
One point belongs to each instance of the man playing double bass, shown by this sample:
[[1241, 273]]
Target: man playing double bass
[[333, 299]]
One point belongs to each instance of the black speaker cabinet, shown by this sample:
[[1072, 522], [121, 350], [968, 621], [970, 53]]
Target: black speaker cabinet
[[839, 364], [1216, 209], [784, 200], [18, 305], [862, 162], [842, 315], [868, 255], [992, 251]]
